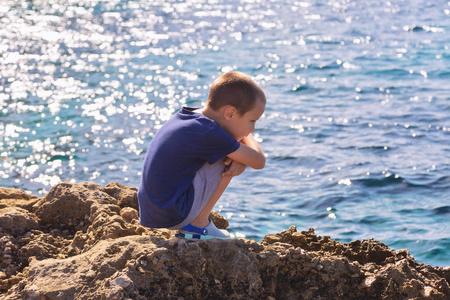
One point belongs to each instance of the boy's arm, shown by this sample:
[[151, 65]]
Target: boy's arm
[[249, 153]]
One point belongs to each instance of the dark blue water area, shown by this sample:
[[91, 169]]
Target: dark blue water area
[[356, 128]]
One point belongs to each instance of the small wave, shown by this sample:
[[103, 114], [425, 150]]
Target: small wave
[[304, 88], [330, 202], [438, 253], [283, 158], [376, 148], [381, 182], [388, 72], [424, 181], [419, 28], [413, 28], [375, 220], [327, 66], [442, 182], [395, 179], [350, 233], [60, 157], [414, 211], [443, 210]]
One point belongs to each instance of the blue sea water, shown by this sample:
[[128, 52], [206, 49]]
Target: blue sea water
[[356, 130]]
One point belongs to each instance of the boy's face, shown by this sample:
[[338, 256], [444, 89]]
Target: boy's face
[[240, 126]]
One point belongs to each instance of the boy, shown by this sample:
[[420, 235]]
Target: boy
[[194, 155]]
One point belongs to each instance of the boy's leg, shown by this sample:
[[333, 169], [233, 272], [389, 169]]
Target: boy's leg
[[202, 219], [209, 185]]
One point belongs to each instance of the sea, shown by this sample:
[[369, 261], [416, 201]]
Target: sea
[[356, 129]]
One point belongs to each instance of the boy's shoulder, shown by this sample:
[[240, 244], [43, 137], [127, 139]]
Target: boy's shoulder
[[190, 124], [186, 124], [189, 134], [187, 117]]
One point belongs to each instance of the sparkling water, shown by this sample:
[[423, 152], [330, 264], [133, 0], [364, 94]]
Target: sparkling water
[[356, 129]]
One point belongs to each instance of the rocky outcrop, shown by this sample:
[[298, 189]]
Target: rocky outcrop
[[84, 241]]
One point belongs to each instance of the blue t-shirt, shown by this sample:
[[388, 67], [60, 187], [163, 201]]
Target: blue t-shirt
[[178, 150]]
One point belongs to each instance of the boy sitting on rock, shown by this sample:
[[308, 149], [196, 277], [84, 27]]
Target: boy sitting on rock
[[194, 155]]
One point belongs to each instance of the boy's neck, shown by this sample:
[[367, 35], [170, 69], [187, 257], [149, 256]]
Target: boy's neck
[[210, 113]]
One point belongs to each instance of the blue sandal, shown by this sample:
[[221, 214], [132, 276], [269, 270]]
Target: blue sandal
[[191, 232]]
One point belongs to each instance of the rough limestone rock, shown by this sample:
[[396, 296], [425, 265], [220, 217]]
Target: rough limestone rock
[[17, 221], [84, 241], [70, 204], [126, 196], [16, 197]]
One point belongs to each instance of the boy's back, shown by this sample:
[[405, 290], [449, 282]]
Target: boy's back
[[178, 150]]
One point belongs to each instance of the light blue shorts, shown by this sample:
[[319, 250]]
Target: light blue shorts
[[205, 183]]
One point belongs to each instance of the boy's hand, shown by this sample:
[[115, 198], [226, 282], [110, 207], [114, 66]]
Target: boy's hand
[[232, 168], [249, 153]]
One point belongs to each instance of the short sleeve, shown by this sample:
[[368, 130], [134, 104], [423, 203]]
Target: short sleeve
[[215, 145]]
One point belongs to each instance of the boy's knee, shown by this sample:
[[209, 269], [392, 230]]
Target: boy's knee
[[212, 170]]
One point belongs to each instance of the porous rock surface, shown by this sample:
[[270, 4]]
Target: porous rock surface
[[84, 241]]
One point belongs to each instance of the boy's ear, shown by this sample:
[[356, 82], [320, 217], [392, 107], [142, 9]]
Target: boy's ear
[[229, 112]]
